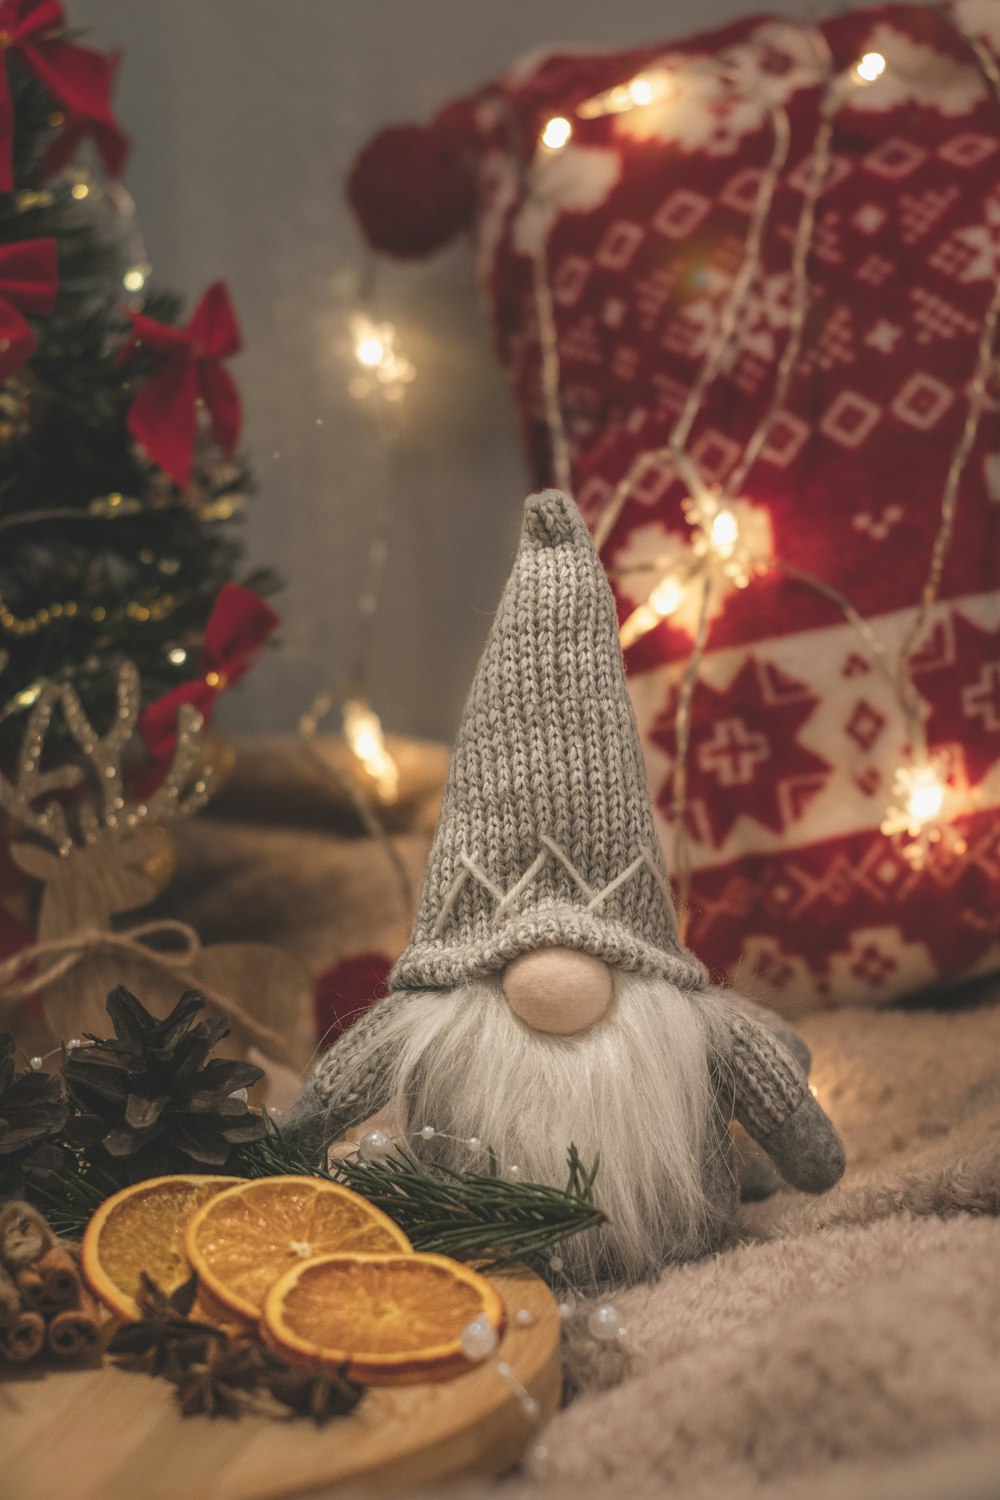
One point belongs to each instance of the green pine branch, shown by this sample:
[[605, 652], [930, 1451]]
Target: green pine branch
[[64, 443], [477, 1216]]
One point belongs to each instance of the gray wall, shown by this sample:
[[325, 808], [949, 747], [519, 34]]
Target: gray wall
[[245, 115]]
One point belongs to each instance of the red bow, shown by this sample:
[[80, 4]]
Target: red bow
[[235, 632], [164, 414], [29, 280], [100, 126], [77, 78]]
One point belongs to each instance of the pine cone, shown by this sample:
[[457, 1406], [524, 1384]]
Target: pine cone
[[32, 1113], [149, 1102]]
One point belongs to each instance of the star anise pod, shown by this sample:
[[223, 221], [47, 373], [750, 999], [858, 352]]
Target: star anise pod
[[223, 1382], [164, 1340], [216, 1373], [319, 1397]]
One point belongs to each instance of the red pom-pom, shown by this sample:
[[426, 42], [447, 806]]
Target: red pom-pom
[[413, 187]]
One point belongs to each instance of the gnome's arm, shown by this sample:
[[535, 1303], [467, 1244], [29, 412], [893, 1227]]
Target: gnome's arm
[[772, 1101], [786, 1034], [330, 1104]]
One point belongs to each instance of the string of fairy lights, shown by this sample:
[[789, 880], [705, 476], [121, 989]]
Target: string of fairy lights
[[382, 372], [722, 551]]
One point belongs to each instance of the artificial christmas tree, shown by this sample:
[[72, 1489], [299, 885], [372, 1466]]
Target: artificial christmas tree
[[118, 423]]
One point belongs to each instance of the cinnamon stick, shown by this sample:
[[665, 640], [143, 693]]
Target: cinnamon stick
[[77, 1331], [23, 1339], [53, 1284], [10, 1300]]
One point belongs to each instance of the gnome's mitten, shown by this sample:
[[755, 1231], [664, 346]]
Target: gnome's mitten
[[328, 1105], [758, 1176], [772, 1101]]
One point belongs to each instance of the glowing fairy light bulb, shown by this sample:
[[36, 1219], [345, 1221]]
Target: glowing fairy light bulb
[[557, 133], [723, 533], [366, 740], [369, 351], [136, 276], [663, 601], [666, 597], [869, 67], [643, 89], [919, 797], [729, 540], [387, 369], [925, 797]]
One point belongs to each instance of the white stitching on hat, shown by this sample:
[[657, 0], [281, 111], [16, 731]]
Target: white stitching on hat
[[504, 899]]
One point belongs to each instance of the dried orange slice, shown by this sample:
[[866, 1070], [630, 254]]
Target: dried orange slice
[[245, 1238], [141, 1229], [392, 1319]]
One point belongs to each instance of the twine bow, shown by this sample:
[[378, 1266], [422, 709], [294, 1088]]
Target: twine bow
[[63, 955]]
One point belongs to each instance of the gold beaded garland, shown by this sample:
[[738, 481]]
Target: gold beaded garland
[[22, 625]]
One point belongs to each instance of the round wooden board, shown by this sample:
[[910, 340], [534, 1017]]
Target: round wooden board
[[105, 1434]]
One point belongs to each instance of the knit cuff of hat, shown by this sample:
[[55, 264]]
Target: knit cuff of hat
[[438, 963]]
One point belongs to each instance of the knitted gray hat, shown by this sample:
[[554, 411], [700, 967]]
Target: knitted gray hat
[[546, 835]]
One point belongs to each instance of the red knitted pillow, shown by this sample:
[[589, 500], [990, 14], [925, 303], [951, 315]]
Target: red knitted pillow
[[640, 226]]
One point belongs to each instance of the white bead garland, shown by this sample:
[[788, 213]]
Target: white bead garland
[[478, 1339], [374, 1146], [536, 1462], [605, 1324]]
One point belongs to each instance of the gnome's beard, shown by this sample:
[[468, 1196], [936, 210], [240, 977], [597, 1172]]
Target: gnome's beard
[[635, 1090]]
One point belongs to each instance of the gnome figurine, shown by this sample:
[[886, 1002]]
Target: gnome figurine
[[545, 997]]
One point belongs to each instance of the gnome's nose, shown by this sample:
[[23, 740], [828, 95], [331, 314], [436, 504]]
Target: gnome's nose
[[558, 990]]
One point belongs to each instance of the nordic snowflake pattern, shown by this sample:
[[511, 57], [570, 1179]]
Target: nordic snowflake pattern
[[795, 737]]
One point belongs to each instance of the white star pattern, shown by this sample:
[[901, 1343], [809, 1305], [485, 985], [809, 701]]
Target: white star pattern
[[984, 240], [570, 181]]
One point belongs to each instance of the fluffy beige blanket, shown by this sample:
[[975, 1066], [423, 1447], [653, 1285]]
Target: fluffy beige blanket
[[845, 1348]]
